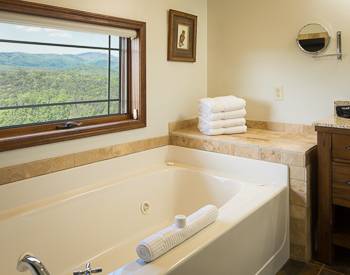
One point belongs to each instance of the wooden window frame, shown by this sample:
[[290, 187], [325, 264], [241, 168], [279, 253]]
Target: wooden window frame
[[31, 135]]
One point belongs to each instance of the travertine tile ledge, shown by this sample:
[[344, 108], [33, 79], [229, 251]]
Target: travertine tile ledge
[[45, 166], [280, 147], [334, 122]]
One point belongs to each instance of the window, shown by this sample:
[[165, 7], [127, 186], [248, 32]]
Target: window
[[70, 75], [56, 75]]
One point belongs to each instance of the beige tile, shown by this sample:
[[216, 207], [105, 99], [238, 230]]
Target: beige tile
[[271, 155], [297, 191], [35, 168], [298, 212], [297, 173], [298, 232], [12, 174], [297, 252], [46, 166], [176, 125], [275, 126], [61, 163], [204, 144], [247, 151], [293, 128], [309, 130], [298, 185], [257, 124], [293, 158], [298, 198], [91, 156], [220, 147]]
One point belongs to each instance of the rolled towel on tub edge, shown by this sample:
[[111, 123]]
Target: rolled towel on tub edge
[[161, 242]]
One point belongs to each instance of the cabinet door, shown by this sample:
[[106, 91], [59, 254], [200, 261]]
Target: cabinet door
[[324, 224]]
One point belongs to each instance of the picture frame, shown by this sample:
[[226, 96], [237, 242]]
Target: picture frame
[[182, 36]]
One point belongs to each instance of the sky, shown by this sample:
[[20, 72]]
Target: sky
[[38, 34]]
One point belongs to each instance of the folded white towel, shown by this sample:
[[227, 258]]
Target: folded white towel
[[161, 242], [224, 131], [227, 123], [221, 104], [223, 115]]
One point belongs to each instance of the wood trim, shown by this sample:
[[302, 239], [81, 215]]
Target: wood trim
[[43, 10], [46, 137], [342, 239], [172, 56], [25, 136], [325, 208], [332, 130]]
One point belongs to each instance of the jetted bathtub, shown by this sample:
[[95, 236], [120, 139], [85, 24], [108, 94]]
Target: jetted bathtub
[[99, 212]]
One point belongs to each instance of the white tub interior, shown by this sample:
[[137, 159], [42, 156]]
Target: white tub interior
[[93, 212]]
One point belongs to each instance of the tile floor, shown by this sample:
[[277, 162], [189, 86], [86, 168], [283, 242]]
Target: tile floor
[[292, 267]]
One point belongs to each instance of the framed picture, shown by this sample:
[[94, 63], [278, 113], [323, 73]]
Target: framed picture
[[182, 36]]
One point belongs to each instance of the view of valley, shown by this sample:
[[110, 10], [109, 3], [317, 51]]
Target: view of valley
[[35, 79]]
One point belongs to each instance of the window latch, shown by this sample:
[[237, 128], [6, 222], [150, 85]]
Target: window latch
[[135, 114], [68, 125]]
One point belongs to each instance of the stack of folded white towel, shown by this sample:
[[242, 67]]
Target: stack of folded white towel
[[222, 115]]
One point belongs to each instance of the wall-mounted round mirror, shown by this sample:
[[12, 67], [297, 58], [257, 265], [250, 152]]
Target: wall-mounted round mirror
[[313, 38]]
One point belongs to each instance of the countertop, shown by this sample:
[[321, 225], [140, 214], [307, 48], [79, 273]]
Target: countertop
[[295, 142], [334, 122]]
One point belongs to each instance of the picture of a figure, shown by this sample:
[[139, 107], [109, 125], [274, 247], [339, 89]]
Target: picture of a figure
[[182, 41], [182, 36]]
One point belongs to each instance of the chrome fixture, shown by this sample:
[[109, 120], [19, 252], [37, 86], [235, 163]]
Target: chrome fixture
[[339, 53], [69, 125], [314, 39], [31, 263], [88, 270]]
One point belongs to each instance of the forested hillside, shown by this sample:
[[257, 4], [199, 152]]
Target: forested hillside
[[27, 79]]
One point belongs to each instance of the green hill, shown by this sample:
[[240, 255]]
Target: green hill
[[57, 61], [27, 79]]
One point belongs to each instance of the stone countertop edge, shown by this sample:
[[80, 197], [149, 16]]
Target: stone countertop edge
[[333, 122], [283, 145]]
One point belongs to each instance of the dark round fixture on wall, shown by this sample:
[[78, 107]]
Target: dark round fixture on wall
[[313, 38]]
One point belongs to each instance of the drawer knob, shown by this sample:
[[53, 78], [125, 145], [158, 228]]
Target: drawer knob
[[347, 147]]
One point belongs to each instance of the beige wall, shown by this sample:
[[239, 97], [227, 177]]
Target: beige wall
[[172, 88], [252, 50]]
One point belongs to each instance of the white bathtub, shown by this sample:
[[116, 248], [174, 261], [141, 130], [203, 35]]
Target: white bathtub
[[92, 213]]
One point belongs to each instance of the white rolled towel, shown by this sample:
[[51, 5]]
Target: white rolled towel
[[223, 115], [205, 124], [224, 131], [161, 242], [221, 104]]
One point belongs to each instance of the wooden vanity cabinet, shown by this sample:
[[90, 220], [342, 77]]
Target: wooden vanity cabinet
[[333, 192]]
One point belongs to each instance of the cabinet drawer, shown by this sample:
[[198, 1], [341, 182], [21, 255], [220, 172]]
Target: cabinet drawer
[[341, 146], [341, 184]]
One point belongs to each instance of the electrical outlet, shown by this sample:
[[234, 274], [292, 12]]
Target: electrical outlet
[[279, 93]]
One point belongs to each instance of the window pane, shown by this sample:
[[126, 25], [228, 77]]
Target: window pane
[[22, 116], [56, 36], [66, 75], [114, 77], [33, 74], [114, 108], [114, 42]]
